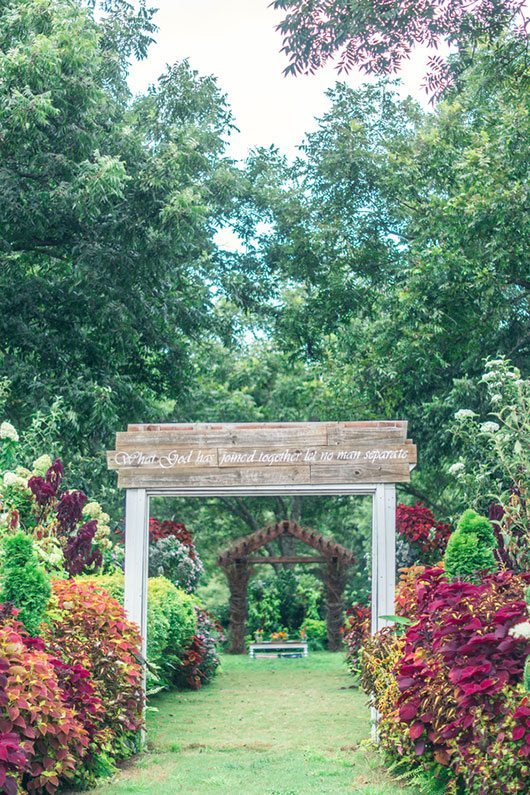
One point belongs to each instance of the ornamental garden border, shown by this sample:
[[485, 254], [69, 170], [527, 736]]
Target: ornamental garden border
[[265, 459]]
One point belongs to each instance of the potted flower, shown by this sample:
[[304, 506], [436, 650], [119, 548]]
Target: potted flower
[[258, 636]]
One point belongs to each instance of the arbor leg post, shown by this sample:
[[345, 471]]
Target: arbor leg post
[[336, 577], [238, 575]]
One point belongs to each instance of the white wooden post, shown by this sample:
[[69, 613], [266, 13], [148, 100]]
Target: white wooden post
[[137, 559], [383, 554], [383, 564]]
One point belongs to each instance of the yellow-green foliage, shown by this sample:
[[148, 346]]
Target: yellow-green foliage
[[470, 548], [24, 582], [171, 621]]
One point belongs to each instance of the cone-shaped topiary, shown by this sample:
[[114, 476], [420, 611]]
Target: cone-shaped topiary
[[24, 581], [472, 522], [470, 548]]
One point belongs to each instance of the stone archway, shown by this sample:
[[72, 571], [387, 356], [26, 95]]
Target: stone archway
[[237, 564]]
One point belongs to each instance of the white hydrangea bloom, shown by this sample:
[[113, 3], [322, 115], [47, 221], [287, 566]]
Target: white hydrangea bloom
[[521, 631], [22, 472], [489, 427], [463, 414], [12, 479], [8, 431], [496, 398], [454, 469], [50, 553], [101, 538], [92, 510], [42, 465]]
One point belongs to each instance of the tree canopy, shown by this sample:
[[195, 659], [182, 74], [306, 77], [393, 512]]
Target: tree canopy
[[110, 204], [374, 275], [377, 36]]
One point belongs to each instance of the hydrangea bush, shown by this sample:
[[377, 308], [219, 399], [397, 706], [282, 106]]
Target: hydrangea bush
[[170, 558], [494, 468], [71, 534]]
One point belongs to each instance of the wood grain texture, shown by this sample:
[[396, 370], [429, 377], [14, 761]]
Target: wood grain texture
[[377, 472], [141, 478]]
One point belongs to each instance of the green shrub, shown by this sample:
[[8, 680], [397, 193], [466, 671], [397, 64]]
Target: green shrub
[[24, 582], [171, 625], [317, 634], [171, 622], [470, 548], [283, 599]]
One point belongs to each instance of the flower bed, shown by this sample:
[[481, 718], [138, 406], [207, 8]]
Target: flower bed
[[450, 690], [71, 674]]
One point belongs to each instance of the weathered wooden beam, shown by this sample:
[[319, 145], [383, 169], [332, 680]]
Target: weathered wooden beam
[[203, 456]]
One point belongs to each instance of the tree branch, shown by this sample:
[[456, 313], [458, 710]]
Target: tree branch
[[240, 510]]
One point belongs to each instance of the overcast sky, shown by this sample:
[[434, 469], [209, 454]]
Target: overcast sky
[[236, 41]]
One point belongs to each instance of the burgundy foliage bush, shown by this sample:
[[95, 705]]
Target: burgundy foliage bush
[[459, 663], [158, 530], [200, 660], [70, 510], [417, 525], [46, 488], [79, 553]]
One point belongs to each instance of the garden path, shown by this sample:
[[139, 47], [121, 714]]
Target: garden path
[[263, 727]]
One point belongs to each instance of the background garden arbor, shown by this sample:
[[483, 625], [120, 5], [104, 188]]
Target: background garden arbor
[[308, 458]]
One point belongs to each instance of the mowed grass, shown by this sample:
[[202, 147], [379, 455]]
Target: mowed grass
[[263, 727]]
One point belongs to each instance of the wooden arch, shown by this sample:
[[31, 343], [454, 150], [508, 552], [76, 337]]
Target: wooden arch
[[237, 564]]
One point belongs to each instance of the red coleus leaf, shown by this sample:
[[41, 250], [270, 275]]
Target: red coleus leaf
[[416, 730], [419, 748], [409, 710]]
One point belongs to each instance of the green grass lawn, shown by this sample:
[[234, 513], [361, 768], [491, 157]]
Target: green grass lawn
[[263, 727]]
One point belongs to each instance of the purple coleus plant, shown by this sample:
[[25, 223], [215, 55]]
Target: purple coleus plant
[[45, 489], [70, 510], [79, 553], [461, 641]]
